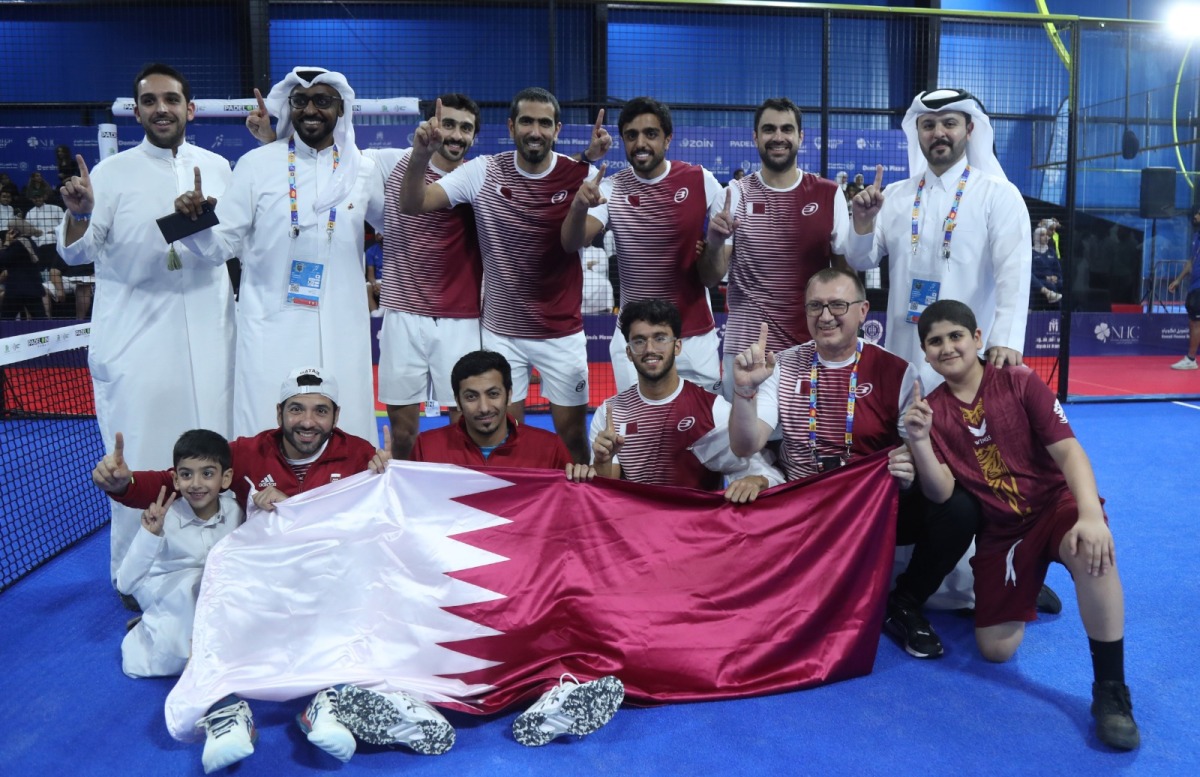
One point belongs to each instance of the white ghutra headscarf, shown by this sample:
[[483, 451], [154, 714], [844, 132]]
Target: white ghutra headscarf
[[980, 148], [342, 181]]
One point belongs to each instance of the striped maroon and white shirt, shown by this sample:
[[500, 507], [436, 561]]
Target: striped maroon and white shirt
[[660, 435], [657, 224], [784, 237], [532, 287], [884, 392], [431, 262]]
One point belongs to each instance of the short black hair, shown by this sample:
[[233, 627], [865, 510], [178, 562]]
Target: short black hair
[[477, 363], [459, 102], [779, 104], [640, 105], [204, 445], [534, 94], [830, 274], [159, 69], [945, 310], [653, 311]]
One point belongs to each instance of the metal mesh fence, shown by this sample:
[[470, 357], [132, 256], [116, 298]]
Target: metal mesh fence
[[1065, 95]]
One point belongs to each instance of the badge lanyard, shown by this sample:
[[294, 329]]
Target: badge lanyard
[[812, 406], [948, 224], [295, 231]]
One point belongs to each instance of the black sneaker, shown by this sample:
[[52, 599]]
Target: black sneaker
[[912, 631], [1113, 712], [1048, 601]]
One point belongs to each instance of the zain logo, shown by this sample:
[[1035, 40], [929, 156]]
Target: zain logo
[[559, 196], [809, 209], [681, 195], [690, 421], [1102, 332]]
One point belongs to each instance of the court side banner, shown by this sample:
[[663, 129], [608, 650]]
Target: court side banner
[[477, 589]]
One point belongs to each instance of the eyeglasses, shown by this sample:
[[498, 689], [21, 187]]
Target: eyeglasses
[[322, 101], [638, 344], [837, 307]]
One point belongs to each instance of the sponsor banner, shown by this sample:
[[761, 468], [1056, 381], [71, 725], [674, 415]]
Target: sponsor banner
[[719, 149], [207, 109], [21, 341], [1042, 333], [1128, 334]]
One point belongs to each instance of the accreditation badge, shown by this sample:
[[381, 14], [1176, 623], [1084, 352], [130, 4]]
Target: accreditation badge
[[306, 285], [922, 294]]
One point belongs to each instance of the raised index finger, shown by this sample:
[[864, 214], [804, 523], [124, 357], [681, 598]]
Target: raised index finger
[[728, 199], [387, 438], [197, 171], [262, 104], [599, 122], [762, 337], [916, 391], [437, 112], [609, 424], [162, 494], [119, 449], [83, 171], [600, 174], [878, 177]]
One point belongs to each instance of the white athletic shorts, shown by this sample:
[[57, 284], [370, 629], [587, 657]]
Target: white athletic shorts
[[561, 361], [415, 350], [697, 361]]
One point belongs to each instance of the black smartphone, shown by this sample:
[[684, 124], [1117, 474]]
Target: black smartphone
[[177, 226]]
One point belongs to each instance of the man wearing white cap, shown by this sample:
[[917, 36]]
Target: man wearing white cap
[[294, 215], [161, 351], [956, 229], [302, 451]]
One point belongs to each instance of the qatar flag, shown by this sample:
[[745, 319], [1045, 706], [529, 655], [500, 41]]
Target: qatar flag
[[475, 589]]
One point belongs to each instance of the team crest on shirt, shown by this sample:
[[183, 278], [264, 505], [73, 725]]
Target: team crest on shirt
[[681, 195], [559, 196], [809, 209], [686, 423], [633, 200]]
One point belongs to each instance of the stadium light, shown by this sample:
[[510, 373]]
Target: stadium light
[[1183, 20]]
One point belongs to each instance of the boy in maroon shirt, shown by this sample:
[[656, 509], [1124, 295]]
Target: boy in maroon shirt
[[1002, 435]]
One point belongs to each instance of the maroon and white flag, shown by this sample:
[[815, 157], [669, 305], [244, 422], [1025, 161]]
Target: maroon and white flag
[[477, 589]]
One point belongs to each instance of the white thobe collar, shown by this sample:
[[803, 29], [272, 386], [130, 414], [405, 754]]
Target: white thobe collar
[[156, 152]]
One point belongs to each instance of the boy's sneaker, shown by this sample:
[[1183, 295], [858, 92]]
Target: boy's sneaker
[[230, 736], [569, 708], [393, 719], [911, 630], [320, 724], [1185, 364], [1048, 601], [1113, 711]]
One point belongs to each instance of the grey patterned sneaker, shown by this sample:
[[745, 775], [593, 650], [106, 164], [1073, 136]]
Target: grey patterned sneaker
[[569, 708], [394, 719]]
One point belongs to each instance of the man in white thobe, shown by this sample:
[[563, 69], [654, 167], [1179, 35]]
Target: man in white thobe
[[161, 351], [294, 214]]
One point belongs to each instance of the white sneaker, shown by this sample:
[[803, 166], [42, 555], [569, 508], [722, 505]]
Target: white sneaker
[[394, 719], [1185, 364], [569, 708], [230, 736], [320, 724]]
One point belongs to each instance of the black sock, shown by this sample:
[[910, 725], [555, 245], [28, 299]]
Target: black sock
[[1108, 660]]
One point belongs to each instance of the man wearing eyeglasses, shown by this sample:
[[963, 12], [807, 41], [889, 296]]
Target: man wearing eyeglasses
[[294, 215], [665, 430], [152, 298], [836, 398]]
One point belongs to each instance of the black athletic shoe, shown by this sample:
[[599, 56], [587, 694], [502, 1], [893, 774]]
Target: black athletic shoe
[[912, 631], [1048, 601], [1113, 712], [130, 603]]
